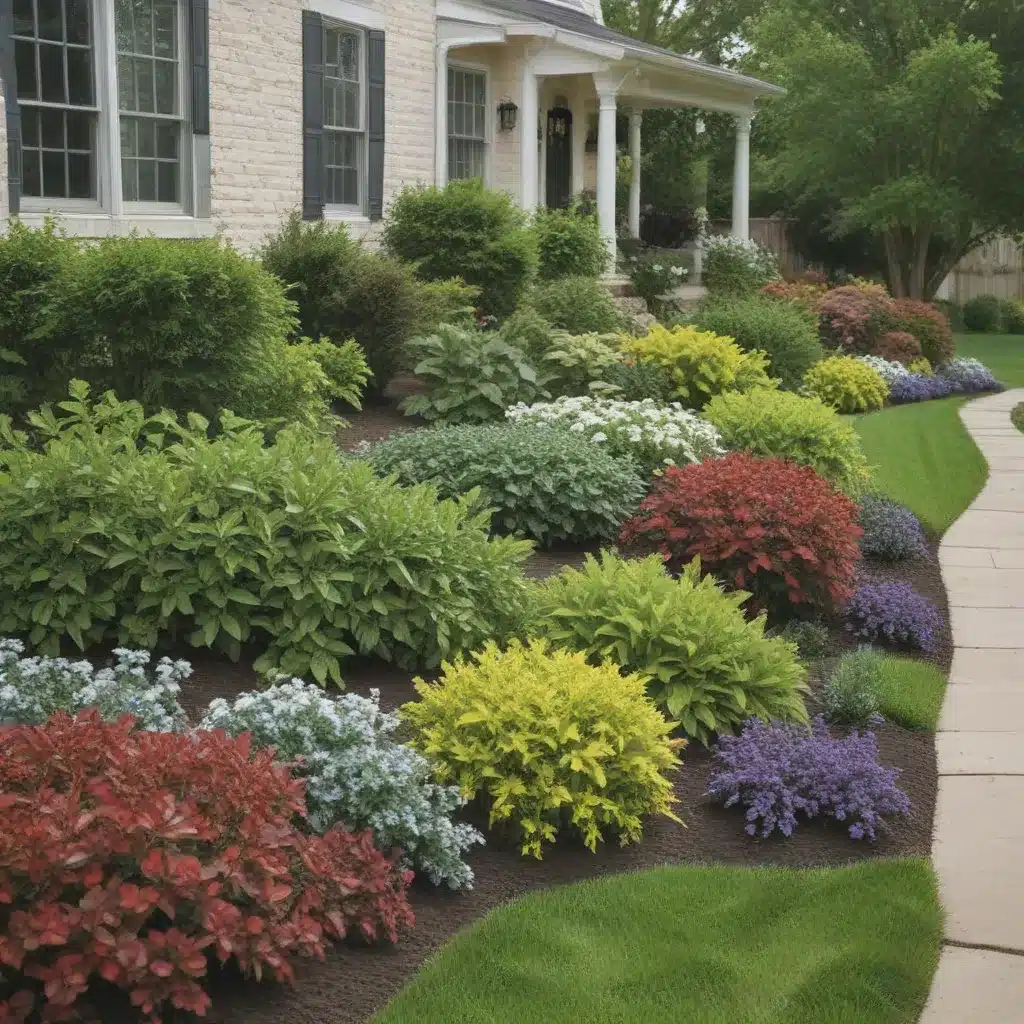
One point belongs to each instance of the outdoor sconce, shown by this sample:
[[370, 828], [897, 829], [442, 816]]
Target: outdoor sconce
[[508, 114]]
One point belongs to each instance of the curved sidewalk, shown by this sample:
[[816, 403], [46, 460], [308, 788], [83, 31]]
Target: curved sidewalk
[[979, 821]]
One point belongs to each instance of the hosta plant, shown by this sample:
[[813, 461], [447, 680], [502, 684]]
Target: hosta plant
[[892, 532], [548, 744], [894, 613], [846, 384], [651, 434], [356, 772], [575, 363], [33, 689], [780, 771], [133, 857], [704, 663]]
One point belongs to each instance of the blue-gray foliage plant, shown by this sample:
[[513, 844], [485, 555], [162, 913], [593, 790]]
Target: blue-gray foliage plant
[[357, 773]]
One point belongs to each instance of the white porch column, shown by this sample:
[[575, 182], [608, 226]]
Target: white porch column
[[606, 166], [579, 141], [528, 121], [741, 179], [441, 118], [635, 123]]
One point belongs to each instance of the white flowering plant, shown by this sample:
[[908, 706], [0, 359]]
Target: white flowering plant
[[655, 277], [889, 371], [357, 773], [33, 689], [737, 266], [653, 435]]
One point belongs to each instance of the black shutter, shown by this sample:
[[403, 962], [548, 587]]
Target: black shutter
[[375, 176], [7, 77], [312, 116], [199, 18]]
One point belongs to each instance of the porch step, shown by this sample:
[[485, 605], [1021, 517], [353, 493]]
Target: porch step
[[619, 287], [634, 311]]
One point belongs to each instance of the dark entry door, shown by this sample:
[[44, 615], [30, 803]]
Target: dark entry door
[[559, 169]]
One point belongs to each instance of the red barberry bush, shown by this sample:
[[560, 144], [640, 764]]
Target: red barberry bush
[[898, 347], [852, 318], [768, 526], [929, 325], [133, 856]]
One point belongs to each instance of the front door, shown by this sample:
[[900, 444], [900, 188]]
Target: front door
[[559, 168]]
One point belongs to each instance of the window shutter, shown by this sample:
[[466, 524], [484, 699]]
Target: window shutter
[[312, 116], [375, 176], [199, 19], [13, 112]]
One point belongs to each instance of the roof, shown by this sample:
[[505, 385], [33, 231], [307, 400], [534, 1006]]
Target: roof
[[572, 20]]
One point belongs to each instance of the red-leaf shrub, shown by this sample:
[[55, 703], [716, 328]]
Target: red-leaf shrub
[[898, 347], [852, 318], [929, 325], [804, 293], [130, 856], [767, 526]]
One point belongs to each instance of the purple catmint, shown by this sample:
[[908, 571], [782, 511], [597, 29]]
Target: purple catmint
[[966, 376], [891, 531], [896, 613], [918, 387], [779, 771]]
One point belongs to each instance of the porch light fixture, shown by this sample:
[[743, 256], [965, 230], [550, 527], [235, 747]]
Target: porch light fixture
[[508, 114]]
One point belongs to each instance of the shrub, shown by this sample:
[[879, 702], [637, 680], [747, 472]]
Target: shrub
[[737, 266], [125, 855], [966, 376], [852, 318], [812, 639], [229, 542], [356, 774], [448, 302], [526, 329], [637, 380], [851, 695], [651, 435], [917, 387], [702, 364], [472, 377], [921, 366], [846, 384], [889, 372], [548, 484], [802, 430], [704, 663], [787, 334], [892, 532], [579, 305], [1013, 316], [654, 276], [779, 771], [464, 230], [764, 525], [577, 362], [344, 366], [569, 244], [1017, 417], [804, 294], [895, 613], [898, 347], [33, 689], [547, 742], [984, 313], [928, 324]]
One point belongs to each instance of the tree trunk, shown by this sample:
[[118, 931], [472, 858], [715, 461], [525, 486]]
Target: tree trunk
[[895, 267], [918, 273]]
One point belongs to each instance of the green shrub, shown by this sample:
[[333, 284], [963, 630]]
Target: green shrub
[[812, 639], [654, 276], [345, 367], [343, 292], [802, 430], [703, 661], [984, 313], [569, 244], [786, 332], [548, 484], [526, 329], [928, 324], [448, 302], [850, 697], [953, 310], [229, 542], [846, 384], [464, 230], [579, 305], [1013, 316], [576, 362], [637, 380], [737, 266], [472, 377], [1017, 417], [547, 743]]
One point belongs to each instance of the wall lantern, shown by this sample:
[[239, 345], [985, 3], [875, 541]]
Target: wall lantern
[[507, 114]]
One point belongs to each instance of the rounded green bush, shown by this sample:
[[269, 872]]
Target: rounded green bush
[[802, 430], [846, 384], [984, 313], [579, 305], [548, 484], [569, 244]]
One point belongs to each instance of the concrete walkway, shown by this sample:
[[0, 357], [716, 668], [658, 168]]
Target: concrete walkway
[[979, 822]]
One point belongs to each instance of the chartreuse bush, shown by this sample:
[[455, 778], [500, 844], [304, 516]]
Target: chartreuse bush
[[230, 541], [846, 384], [704, 663], [702, 364], [802, 430], [547, 743]]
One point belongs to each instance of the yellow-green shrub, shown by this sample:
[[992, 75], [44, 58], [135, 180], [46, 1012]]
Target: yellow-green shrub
[[846, 384], [702, 364], [923, 366], [546, 741], [788, 426]]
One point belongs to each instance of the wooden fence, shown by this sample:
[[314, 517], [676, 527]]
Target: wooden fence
[[996, 268], [772, 233]]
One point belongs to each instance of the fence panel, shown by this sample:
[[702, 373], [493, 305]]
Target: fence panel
[[773, 233], [996, 268]]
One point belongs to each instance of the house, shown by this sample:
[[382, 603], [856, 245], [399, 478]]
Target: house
[[185, 117]]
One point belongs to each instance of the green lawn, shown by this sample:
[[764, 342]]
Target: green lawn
[[711, 945], [1003, 354], [911, 693]]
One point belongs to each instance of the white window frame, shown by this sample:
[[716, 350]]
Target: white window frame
[[475, 69], [346, 211]]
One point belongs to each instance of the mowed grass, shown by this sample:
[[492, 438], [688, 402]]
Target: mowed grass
[[911, 693], [704, 945], [1003, 354]]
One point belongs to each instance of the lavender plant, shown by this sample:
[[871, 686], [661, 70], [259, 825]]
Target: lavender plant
[[892, 532], [779, 771], [896, 613], [917, 387], [967, 376], [851, 696]]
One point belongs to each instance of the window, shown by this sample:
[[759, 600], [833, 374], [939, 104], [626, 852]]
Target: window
[[467, 124], [81, 144], [344, 117]]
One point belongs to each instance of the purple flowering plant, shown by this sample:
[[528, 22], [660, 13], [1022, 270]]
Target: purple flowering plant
[[779, 771], [966, 376], [896, 613], [892, 532], [918, 387]]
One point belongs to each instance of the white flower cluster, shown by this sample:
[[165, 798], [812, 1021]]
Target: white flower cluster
[[654, 435], [357, 773], [890, 372], [33, 689], [755, 255]]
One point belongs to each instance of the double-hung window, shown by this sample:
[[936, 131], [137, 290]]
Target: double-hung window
[[344, 118], [467, 123]]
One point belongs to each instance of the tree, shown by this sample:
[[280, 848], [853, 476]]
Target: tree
[[653, 21]]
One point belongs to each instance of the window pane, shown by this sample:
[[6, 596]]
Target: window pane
[[30, 127], [165, 30], [31, 173], [144, 85], [25, 68], [54, 185], [150, 166], [126, 96], [51, 19], [146, 135], [167, 182], [129, 180], [147, 181], [165, 87], [51, 74], [350, 57], [24, 19], [53, 128], [79, 131], [80, 77], [343, 168], [79, 175], [167, 141], [144, 28], [129, 139], [77, 21], [350, 117]]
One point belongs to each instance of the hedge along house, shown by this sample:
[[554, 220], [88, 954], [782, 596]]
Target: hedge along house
[[185, 117]]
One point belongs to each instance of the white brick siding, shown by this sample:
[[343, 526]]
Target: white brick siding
[[3, 158]]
